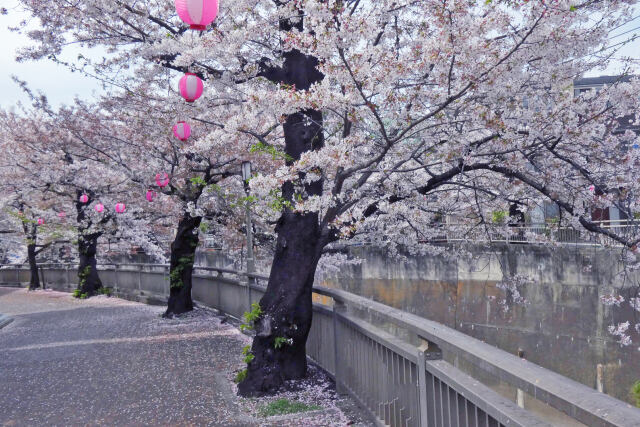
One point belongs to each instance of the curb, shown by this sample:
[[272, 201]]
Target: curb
[[4, 320], [10, 285]]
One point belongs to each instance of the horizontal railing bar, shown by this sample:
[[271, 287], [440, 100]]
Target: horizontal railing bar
[[321, 308], [502, 409], [195, 267], [400, 347], [577, 400]]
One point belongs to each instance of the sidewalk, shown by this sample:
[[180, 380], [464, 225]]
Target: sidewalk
[[106, 361]]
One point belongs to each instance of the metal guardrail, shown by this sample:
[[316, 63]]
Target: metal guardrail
[[396, 364]]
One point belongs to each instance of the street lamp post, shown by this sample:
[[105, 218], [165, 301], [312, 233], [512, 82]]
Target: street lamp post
[[251, 266], [246, 176]]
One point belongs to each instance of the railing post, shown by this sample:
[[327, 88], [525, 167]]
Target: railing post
[[422, 383], [248, 282], [140, 279], [165, 280], [426, 351], [519, 391], [219, 276], [115, 275], [340, 389], [600, 377]]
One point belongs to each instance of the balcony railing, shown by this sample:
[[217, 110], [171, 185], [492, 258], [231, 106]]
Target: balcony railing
[[537, 233]]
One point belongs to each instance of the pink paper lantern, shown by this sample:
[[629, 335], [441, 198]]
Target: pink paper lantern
[[61, 214], [197, 13], [40, 221], [84, 198], [99, 207], [151, 195], [162, 180], [120, 207], [191, 87], [182, 131], [592, 188]]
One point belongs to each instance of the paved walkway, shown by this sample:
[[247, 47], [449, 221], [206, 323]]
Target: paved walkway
[[106, 361]]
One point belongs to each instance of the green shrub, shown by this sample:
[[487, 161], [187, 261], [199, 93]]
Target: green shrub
[[240, 376], [84, 275], [285, 406], [175, 275], [635, 392], [105, 291], [77, 293], [248, 356], [251, 316], [498, 217], [280, 341]]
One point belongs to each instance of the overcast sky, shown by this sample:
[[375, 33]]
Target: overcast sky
[[61, 86], [57, 82]]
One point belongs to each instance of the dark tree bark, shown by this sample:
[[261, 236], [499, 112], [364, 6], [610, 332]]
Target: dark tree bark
[[287, 304], [30, 230], [34, 282], [183, 251], [88, 279]]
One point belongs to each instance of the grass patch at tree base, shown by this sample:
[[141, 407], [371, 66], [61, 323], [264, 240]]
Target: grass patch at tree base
[[77, 293], [284, 407]]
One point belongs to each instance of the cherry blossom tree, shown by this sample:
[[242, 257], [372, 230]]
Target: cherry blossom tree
[[381, 119], [201, 177], [31, 216], [130, 134], [24, 200], [128, 141], [55, 165]]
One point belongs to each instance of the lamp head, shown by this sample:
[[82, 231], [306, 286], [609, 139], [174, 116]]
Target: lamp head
[[246, 171]]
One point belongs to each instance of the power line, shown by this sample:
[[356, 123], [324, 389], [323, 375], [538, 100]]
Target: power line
[[630, 39], [625, 23], [626, 32]]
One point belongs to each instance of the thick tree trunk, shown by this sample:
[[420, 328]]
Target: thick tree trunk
[[88, 280], [34, 283], [287, 304], [183, 251]]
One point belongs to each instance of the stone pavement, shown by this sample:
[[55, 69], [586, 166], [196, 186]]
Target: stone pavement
[[106, 361]]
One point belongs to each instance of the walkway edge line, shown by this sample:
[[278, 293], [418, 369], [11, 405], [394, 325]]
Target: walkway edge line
[[4, 320]]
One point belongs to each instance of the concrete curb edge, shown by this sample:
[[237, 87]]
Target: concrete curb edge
[[4, 320]]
